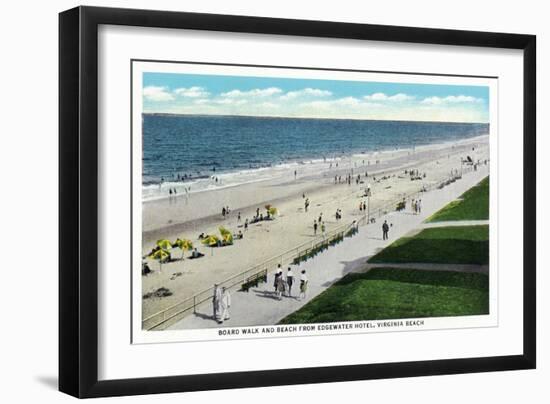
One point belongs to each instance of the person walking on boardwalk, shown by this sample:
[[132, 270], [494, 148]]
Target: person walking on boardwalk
[[216, 302], [276, 279], [281, 285], [289, 281], [225, 305], [385, 230], [303, 285]]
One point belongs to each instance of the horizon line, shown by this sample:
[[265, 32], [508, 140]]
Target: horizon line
[[303, 117]]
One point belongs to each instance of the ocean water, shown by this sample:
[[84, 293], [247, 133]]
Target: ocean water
[[189, 152]]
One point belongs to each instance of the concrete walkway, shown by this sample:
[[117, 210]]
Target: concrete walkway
[[455, 223], [259, 306]]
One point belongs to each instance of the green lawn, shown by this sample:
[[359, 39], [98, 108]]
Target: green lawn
[[384, 293], [472, 205], [452, 245]]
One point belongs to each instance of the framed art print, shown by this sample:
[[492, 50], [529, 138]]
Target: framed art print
[[313, 201]]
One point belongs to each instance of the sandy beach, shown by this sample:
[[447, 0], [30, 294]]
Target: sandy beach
[[187, 216]]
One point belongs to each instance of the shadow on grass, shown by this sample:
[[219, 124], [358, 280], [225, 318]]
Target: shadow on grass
[[421, 277], [397, 293], [445, 245]]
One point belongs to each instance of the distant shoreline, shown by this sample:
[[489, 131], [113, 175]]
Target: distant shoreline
[[306, 118]]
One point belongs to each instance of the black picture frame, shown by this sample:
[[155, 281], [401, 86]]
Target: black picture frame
[[78, 200]]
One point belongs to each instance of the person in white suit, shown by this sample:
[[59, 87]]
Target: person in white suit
[[225, 305]]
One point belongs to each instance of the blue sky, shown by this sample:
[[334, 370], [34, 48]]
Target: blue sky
[[312, 98]]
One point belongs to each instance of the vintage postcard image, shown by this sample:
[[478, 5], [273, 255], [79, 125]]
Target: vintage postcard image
[[273, 202]]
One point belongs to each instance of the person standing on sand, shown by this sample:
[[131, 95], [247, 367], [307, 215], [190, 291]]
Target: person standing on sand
[[303, 285], [225, 305], [385, 230], [216, 302], [323, 228], [246, 224], [223, 212], [314, 228]]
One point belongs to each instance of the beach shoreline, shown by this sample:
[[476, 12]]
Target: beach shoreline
[[179, 209], [228, 179]]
